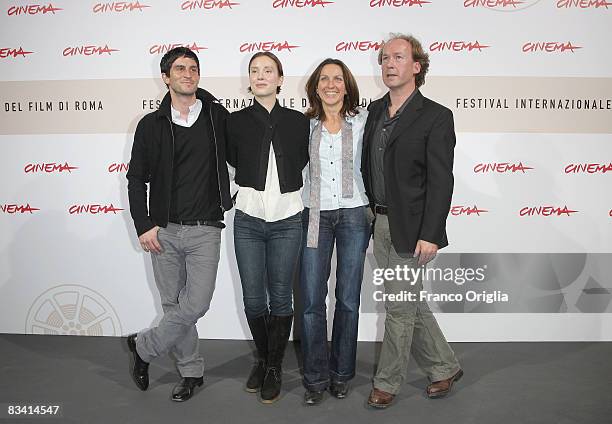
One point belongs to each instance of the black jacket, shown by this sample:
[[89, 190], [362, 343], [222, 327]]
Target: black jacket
[[248, 149], [152, 162], [418, 168]]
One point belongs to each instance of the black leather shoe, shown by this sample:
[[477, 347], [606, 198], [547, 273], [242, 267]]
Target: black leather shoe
[[339, 389], [312, 397], [140, 368], [185, 388]]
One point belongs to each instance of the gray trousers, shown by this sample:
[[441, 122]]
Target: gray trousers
[[410, 326], [185, 274]]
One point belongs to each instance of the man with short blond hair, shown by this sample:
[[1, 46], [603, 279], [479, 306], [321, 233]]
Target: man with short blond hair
[[407, 165]]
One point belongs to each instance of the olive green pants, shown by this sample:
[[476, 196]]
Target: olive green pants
[[410, 326]]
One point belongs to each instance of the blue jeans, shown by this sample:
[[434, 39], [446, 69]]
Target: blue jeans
[[269, 249], [350, 230]]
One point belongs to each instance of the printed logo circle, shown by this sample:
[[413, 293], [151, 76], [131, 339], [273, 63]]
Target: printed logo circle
[[72, 310]]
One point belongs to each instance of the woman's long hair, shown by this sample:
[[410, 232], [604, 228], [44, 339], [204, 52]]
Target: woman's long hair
[[351, 99]]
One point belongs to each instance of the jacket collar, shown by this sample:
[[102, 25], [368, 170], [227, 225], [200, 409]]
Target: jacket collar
[[263, 115], [408, 116]]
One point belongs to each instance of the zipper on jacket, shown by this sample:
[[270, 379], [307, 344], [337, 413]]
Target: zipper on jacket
[[171, 169], [212, 124]]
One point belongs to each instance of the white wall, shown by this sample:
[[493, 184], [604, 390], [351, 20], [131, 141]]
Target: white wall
[[63, 273]]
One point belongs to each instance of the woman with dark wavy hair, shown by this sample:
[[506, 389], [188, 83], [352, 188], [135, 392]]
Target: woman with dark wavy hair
[[336, 213]]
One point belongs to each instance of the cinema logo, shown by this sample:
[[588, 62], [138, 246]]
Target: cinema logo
[[588, 168], [32, 9], [456, 46], [359, 46], [208, 4], [398, 3], [14, 209], [583, 4], [466, 210], [93, 209], [163, 48], [118, 168], [90, 50], [546, 211], [10, 52], [502, 5], [267, 46], [550, 47], [48, 168], [71, 309], [500, 168], [119, 7], [299, 4]]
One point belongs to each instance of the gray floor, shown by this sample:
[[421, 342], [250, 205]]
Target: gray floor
[[503, 383]]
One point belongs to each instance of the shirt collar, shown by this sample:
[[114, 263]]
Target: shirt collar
[[402, 107], [193, 110], [323, 129]]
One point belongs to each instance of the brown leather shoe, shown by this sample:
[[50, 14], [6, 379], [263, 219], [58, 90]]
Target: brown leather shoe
[[380, 399], [441, 388]]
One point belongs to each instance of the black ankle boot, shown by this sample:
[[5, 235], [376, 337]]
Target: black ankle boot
[[278, 336], [259, 330]]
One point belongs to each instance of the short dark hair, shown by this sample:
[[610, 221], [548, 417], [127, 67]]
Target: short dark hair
[[171, 55], [418, 55], [276, 60], [351, 99]]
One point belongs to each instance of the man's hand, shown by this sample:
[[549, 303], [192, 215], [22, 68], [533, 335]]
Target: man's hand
[[149, 242], [425, 251]]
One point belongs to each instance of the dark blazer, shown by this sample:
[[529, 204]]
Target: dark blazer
[[418, 168], [250, 132]]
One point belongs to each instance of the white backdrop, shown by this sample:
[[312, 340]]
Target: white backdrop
[[76, 76]]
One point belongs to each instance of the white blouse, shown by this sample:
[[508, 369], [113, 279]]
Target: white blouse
[[270, 205]]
